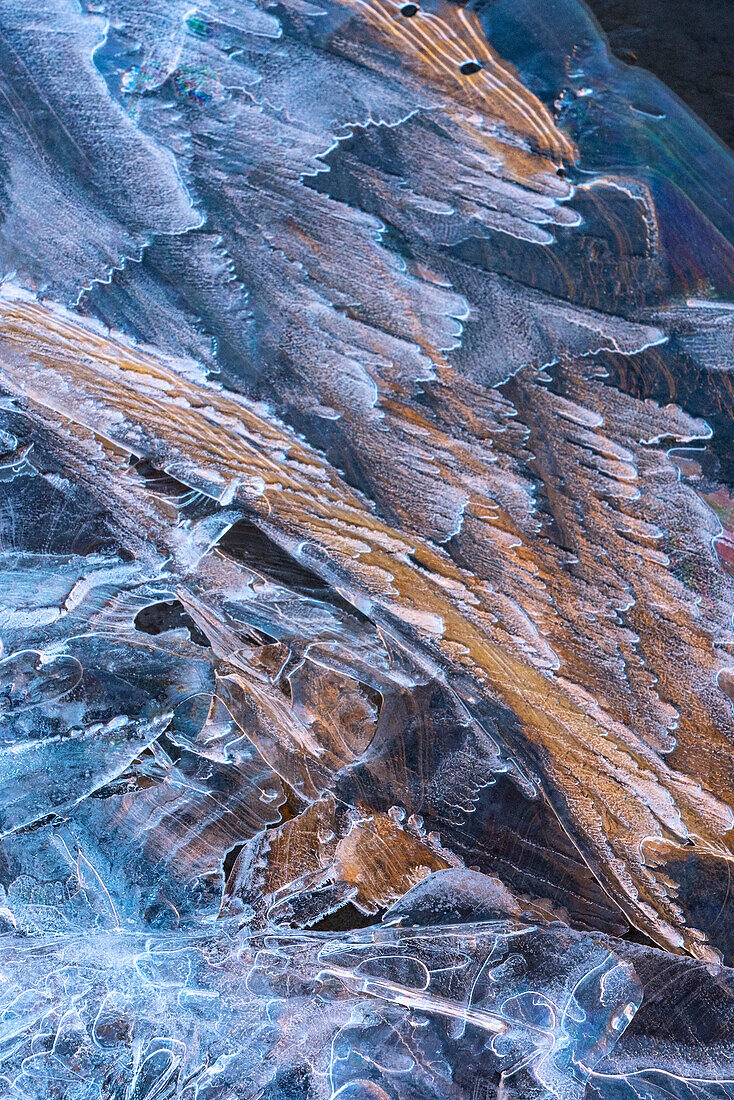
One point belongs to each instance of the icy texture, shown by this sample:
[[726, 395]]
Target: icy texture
[[366, 554]]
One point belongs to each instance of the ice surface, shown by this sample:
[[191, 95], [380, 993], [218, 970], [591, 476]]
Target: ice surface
[[366, 554]]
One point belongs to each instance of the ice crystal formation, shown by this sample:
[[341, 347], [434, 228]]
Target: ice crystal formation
[[366, 558]]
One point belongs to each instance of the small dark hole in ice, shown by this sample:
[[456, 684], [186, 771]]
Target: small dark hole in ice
[[230, 859], [346, 919], [470, 67], [156, 618], [409, 10]]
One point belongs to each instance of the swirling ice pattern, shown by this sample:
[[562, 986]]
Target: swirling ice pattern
[[366, 544]]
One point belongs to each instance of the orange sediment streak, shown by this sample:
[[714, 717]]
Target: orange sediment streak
[[436, 611], [438, 45]]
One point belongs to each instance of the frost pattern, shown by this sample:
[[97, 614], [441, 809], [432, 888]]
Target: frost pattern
[[366, 555]]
